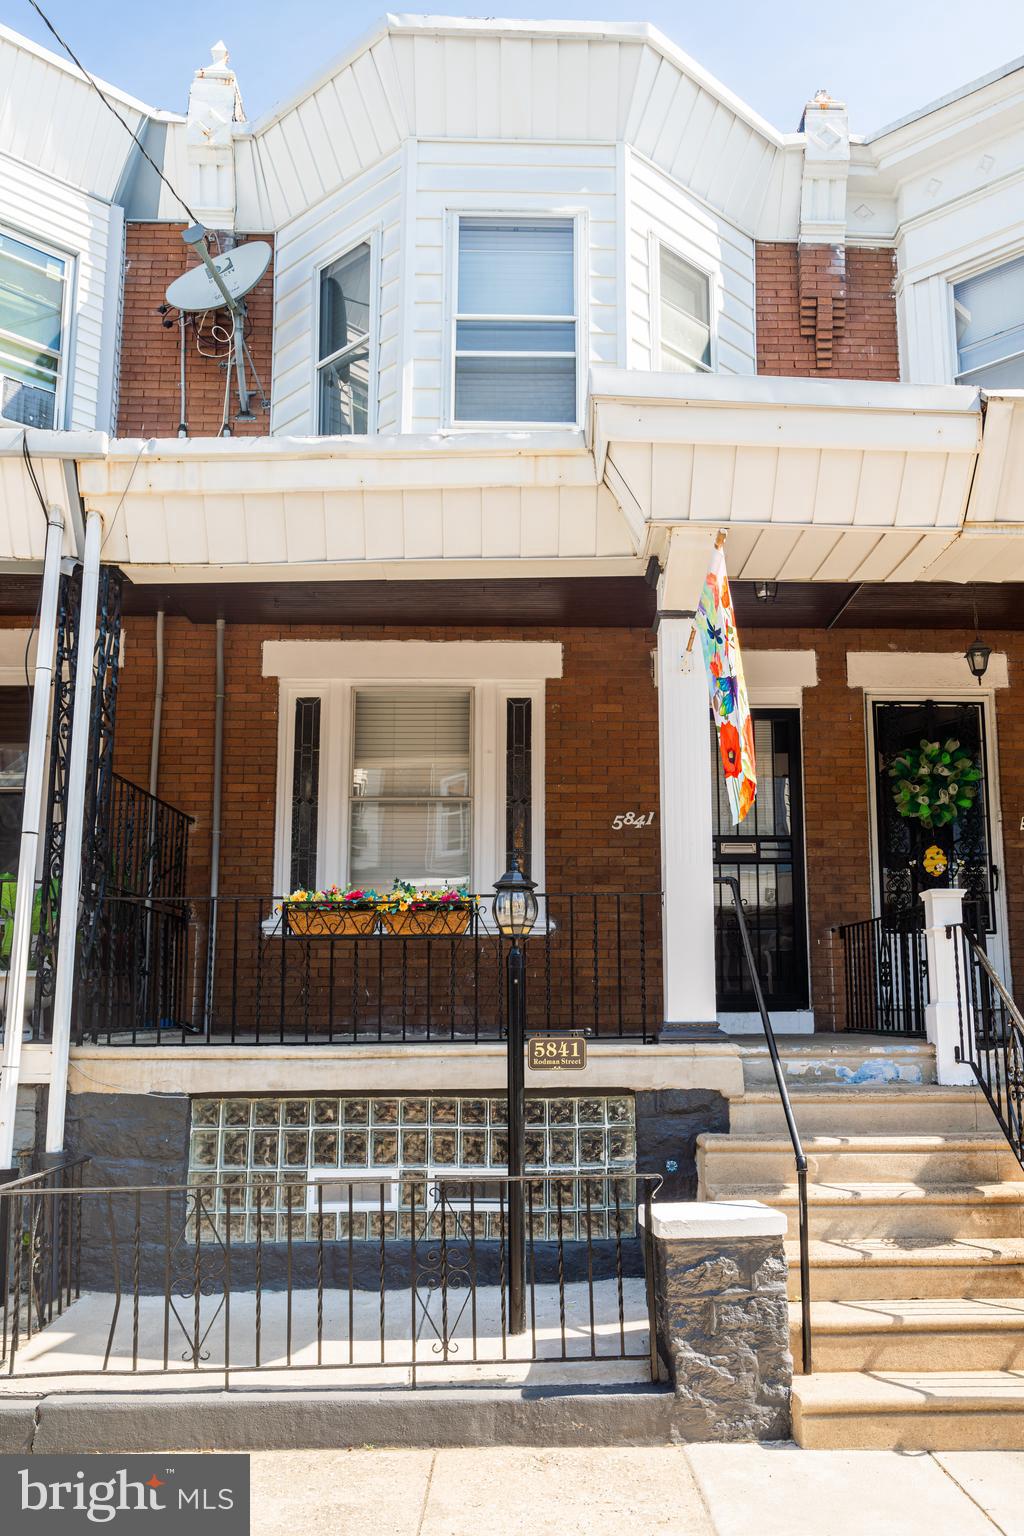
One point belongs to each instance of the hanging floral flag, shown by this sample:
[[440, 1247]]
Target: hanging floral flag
[[719, 638]]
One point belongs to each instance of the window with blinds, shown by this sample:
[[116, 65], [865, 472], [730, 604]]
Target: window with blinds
[[989, 312], [412, 806], [515, 325], [685, 315]]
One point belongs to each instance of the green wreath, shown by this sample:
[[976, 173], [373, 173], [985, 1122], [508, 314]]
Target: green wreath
[[934, 782]]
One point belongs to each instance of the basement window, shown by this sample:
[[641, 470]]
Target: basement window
[[33, 303], [343, 366], [989, 316]]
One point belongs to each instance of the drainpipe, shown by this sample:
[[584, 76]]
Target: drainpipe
[[218, 771], [31, 816], [158, 706], [74, 826]]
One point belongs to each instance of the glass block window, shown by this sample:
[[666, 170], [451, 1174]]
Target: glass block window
[[305, 794], [276, 1146]]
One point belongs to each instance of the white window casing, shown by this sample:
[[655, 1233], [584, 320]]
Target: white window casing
[[683, 310], [336, 672], [366, 1185], [516, 334], [36, 280], [341, 346]]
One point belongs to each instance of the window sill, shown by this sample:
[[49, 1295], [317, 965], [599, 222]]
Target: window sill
[[273, 928]]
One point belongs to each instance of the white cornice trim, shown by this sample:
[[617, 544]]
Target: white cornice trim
[[408, 660], [922, 673]]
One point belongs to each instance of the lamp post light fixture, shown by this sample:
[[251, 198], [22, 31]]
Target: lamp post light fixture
[[515, 912]]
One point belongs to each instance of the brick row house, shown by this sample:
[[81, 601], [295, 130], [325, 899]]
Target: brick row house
[[544, 308]]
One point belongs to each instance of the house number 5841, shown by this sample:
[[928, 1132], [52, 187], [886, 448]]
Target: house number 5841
[[632, 819]]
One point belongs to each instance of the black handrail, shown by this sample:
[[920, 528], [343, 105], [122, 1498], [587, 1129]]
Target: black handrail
[[991, 1027], [787, 1110]]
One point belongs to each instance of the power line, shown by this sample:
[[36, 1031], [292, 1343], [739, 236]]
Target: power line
[[111, 108]]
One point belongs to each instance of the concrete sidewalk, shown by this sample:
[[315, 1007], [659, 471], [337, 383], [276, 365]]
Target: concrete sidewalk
[[707, 1490]]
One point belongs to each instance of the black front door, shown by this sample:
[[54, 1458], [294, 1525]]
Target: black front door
[[913, 857], [765, 854]]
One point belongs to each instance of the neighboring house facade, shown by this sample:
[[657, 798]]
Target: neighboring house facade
[[547, 307]]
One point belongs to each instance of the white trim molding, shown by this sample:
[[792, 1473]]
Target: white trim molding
[[777, 679], [410, 660], [921, 673]]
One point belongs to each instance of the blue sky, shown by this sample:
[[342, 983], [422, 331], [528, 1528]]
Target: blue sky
[[883, 59]]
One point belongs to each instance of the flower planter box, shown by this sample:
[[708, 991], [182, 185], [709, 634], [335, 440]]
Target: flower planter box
[[320, 922], [429, 920]]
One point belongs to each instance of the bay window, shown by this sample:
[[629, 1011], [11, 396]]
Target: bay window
[[989, 317], [343, 365], [515, 343], [684, 315], [33, 301]]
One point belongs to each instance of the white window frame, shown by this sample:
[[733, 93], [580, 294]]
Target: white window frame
[[655, 247], [48, 248], [488, 771], [989, 261], [348, 1175], [372, 238], [581, 294], [458, 1174]]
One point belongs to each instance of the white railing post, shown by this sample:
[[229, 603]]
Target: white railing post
[[31, 818], [943, 915], [74, 828], [687, 846]]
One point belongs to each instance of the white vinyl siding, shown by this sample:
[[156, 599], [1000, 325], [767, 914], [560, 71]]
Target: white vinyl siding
[[989, 319], [412, 807], [515, 321]]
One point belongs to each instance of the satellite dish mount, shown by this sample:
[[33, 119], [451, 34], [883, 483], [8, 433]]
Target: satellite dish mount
[[222, 282]]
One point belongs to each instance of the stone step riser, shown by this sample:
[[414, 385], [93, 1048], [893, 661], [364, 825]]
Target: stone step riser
[[848, 1118], [852, 1075], [741, 1170], [903, 1282], [963, 1429], [933, 1221], [897, 1349]]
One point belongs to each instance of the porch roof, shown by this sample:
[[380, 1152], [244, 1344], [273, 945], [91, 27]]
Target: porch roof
[[820, 480]]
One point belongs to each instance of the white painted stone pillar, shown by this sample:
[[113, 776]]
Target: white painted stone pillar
[[943, 914], [687, 865]]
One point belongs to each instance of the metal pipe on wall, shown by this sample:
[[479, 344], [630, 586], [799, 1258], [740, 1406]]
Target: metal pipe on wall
[[218, 774], [31, 818], [74, 826]]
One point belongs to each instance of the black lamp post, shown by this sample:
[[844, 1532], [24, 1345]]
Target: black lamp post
[[515, 912]]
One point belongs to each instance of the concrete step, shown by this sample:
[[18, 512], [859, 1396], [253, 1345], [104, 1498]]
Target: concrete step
[[937, 1334], [849, 1060], [910, 1411], [837, 1111], [981, 1157], [861, 1210], [894, 1269]]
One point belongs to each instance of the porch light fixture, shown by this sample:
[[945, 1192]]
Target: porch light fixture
[[766, 591], [515, 906], [977, 653]]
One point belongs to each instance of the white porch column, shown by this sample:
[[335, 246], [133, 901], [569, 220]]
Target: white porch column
[[688, 913], [944, 909]]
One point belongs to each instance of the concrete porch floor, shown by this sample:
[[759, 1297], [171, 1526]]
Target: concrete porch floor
[[67, 1355]]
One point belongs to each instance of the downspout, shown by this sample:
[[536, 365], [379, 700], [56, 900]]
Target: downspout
[[158, 706], [218, 774], [71, 878], [31, 817]]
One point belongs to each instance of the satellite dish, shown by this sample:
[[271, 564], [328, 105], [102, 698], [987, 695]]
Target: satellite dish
[[240, 270]]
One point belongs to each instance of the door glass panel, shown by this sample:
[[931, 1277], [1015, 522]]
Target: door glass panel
[[767, 860], [907, 864]]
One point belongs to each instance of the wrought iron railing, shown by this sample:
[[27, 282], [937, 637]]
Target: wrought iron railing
[[991, 1035], [148, 844], [267, 1275], [885, 975], [799, 1156], [593, 963]]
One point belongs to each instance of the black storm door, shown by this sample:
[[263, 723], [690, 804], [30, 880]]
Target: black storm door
[[765, 854], [913, 858]]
